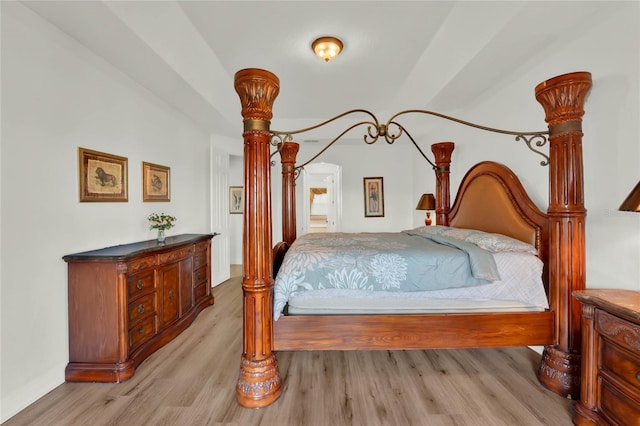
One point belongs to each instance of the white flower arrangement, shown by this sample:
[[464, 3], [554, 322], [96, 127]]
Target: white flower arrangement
[[161, 221]]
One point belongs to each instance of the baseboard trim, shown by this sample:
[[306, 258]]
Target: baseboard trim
[[19, 399]]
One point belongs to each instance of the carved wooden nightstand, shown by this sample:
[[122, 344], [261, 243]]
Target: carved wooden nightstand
[[610, 388]]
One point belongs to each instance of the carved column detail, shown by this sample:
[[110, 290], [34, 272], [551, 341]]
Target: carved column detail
[[442, 152], [563, 98], [259, 381], [288, 152], [587, 387]]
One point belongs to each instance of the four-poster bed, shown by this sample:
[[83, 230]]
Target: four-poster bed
[[558, 236]]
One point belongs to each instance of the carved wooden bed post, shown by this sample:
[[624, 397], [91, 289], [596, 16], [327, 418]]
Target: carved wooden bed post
[[563, 98], [259, 381], [442, 153], [288, 153]]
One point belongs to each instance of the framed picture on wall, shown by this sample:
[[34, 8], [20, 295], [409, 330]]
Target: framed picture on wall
[[102, 176], [373, 197], [235, 200], [156, 182]]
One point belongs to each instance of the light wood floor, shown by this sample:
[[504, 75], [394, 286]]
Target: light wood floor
[[191, 381]]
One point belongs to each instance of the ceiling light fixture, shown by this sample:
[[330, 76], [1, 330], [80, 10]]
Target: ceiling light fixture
[[327, 48]]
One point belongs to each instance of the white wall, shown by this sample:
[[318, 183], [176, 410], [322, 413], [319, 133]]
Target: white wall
[[56, 97]]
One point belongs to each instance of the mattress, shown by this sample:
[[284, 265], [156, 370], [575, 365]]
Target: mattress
[[520, 289], [409, 304]]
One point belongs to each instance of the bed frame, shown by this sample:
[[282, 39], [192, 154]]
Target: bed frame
[[558, 234]]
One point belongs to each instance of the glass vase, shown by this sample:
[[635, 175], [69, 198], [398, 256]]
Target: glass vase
[[161, 235]]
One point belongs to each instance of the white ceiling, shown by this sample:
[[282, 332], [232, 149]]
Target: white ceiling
[[397, 54]]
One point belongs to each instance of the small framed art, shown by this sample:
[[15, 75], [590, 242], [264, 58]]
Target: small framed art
[[156, 182], [235, 200], [373, 197], [102, 176]]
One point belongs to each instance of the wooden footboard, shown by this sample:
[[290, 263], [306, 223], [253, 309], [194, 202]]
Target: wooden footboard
[[399, 332]]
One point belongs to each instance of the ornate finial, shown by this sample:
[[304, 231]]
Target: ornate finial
[[563, 97], [442, 152], [288, 152], [257, 90]]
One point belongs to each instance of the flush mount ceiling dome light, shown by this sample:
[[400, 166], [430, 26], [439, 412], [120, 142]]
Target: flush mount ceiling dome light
[[327, 48]]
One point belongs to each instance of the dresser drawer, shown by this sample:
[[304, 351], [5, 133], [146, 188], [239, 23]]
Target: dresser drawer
[[199, 292], [172, 256], [139, 284], [142, 332], [202, 246], [141, 307], [624, 333], [200, 259], [618, 407], [140, 264], [199, 275], [622, 365]]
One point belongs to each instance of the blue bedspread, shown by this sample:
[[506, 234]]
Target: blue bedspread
[[391, 261]]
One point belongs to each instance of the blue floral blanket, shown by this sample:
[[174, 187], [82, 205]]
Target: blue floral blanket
[[391, 261]]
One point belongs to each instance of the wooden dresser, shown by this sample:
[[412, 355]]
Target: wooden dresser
[[127, 301], [610, 388]]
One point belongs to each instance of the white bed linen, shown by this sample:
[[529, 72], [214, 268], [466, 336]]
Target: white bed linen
[[520, 289]]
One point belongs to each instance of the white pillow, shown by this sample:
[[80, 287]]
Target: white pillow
[[495, 243], [498, 243], [431, 230]]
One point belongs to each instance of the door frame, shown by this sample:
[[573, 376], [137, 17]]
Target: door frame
[[332, 175]]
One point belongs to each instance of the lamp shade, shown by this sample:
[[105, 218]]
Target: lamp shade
[[632, 202], [427, 202]]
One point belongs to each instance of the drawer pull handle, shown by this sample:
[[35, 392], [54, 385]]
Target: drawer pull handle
[[139, 285], [141, 308], [171, 294], [141, 331], [638, 376]]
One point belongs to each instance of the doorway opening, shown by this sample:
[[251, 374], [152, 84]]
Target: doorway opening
[[322, 205], [318, 209]]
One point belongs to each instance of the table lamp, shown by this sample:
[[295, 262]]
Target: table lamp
[[427, 202]]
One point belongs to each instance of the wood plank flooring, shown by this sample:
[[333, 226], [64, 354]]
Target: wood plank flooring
[[191, 381]]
